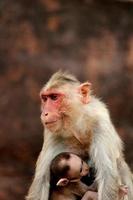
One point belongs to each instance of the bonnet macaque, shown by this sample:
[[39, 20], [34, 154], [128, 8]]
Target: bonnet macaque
[[67, 172], [76, 121]]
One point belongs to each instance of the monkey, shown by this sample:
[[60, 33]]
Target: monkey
[[67, 171], [75, 120], [71, 192]]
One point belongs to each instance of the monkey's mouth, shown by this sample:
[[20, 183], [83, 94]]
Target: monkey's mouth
[[50, 123]]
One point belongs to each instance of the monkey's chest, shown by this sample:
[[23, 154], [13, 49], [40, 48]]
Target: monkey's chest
[[78, 147]]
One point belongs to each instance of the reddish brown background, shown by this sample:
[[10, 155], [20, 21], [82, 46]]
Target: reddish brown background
[[92, 39]]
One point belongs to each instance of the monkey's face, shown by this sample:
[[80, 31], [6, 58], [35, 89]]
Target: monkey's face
[[62, 106], [51, 109], [78, 168]]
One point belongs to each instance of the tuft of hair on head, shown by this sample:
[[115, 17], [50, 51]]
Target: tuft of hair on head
[[60, 78], [59, 167]]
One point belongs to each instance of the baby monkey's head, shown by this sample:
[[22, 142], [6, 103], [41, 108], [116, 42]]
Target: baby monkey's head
[[67, 167]]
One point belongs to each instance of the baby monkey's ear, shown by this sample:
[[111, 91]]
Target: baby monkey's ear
[[62, 182]]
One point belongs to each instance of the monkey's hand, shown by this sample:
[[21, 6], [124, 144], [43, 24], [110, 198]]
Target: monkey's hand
[[105, 149], [123, 191]]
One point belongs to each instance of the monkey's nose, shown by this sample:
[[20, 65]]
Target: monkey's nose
[[46, 114]]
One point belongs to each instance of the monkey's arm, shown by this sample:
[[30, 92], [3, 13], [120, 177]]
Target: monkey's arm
[[39, 189], [89, 195], [105, 149], [82, 190], [126, 177], [78, 188]]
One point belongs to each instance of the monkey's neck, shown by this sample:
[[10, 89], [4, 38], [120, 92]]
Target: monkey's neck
[[76, 141]]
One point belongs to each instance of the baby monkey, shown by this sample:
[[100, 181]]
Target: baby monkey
[[68, 171]]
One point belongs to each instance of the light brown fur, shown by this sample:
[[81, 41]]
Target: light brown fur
[[83, 116], [69, 191]]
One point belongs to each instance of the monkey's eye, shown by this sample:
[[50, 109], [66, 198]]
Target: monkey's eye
[[44, 97], [53, 97]]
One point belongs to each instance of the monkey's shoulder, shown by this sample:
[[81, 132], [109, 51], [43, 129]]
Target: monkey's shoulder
[[98, 108]]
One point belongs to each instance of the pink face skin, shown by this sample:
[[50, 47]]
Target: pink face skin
[[54, 105], [51, 107], [78, 168]]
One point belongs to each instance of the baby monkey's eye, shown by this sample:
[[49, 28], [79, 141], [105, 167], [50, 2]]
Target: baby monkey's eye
[[53, 97]]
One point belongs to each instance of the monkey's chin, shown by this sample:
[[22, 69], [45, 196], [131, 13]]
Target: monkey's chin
[[54, 126]]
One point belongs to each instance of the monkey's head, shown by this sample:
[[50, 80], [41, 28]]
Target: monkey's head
[[62, 101], [67, 168]]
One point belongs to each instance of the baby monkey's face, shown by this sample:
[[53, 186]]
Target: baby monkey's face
[[78, 168]]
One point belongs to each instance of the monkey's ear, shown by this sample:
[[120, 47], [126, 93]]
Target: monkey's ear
[[84, 89], [62, 182]]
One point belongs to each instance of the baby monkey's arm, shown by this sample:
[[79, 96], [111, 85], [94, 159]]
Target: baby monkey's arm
[[91, 194]]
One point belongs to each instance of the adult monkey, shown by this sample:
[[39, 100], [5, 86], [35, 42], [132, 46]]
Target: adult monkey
[[78, 122]]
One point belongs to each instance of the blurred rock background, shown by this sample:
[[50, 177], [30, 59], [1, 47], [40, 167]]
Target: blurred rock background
[[92, 39]]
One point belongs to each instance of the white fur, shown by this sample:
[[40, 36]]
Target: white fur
[[106, 148]]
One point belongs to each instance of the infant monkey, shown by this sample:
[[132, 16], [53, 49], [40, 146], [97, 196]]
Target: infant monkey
[[67, 172]]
